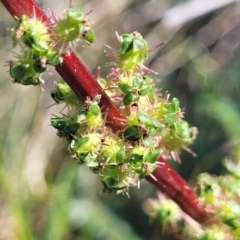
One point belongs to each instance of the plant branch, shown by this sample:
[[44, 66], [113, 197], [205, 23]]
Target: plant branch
[[78, 77], [175, 187]]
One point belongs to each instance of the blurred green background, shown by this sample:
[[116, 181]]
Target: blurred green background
[[43, 194]]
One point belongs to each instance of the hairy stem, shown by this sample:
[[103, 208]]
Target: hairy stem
[[83, 83]]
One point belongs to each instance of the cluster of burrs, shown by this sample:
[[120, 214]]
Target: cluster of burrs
[[154, 124], [42, 45], [219, 194]]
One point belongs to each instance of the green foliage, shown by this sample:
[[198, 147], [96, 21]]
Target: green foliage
[[62, 93], [132, 53], [221, 195], [90, 142], [74, 27], [214, 107], [42, 46], [155, 126]]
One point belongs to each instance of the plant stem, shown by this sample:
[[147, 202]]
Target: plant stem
[[175, 187], [78, 77]]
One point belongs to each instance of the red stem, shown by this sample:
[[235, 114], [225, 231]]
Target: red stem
[[78, 77], [175, 187], [75, 73]]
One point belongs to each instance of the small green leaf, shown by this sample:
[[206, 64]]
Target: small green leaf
[[157, 124], [136, 159], [88, 35], [74, 14], [57, 95], [19, 71], [38, 65], [127, 43], [72, 128], [58, 123], [95, 110], [120, 155], [137, 81], [128, 99], [170, 119], [175, 105], [152, 157], [90, 160], [152, 131], [143, 118], [110, 181], [53, 58], [145, 90], [132, 133], [63, 93], [81, 117], [81, 142], [30, 81], [183, 130], [125, 88], [138, 44]]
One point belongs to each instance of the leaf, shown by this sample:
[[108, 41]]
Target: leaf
[[152, 157], [170, 119], [145, 90], [175, 105], [125, 88], [126, 40], [132, 133], [81, 142], [95, 110], [72, 128], [128, 99], [58, 123], [138, 44], [120, 155]]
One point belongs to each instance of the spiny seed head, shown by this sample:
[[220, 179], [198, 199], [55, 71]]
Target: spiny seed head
[[62, 93], [24, 71], [132, 53], [73, 28], [31, 31], [154, 124]]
